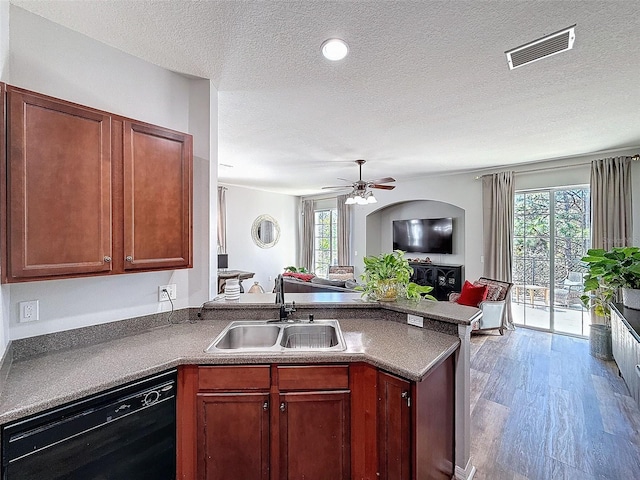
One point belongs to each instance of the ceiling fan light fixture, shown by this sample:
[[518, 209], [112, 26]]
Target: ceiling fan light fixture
[[361, 200], [334, 49], [350, 200], [371, 198]]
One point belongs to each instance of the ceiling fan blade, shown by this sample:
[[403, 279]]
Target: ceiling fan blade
[[339, 186], [382, 187], [382, 180]]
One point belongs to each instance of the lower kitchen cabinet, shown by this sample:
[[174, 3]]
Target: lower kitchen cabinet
[[626, 347], [394, 427], [403, 430], [315, 422], [233, 436], [314, 436], [239, 422]]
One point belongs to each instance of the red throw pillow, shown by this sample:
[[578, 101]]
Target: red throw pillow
[[305, 277], [472, 295]]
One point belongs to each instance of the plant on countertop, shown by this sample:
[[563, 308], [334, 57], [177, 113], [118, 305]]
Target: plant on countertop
[[386, 277], [608, 271]]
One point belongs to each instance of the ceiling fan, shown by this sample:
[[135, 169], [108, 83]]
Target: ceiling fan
[[360, 192]]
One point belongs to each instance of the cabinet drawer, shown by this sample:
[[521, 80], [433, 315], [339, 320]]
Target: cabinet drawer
[[235, 377], [311, 377]]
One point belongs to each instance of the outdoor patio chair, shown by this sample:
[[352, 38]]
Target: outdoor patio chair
[[574, 284]]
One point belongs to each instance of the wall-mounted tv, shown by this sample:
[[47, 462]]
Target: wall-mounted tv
[[426, 235]]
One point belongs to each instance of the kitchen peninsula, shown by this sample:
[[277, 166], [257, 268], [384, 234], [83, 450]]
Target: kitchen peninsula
[[54, 369]]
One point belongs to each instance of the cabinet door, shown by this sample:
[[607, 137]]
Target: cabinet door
[[157, 198], [314, 436], [59, 188], [616, 337], [394, 427], [233, 436]]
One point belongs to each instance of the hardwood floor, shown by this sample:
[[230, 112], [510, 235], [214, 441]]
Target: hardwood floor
[[543, 408]]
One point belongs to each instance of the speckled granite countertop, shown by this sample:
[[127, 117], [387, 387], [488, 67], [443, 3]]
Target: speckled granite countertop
[[442, 311], [45, 381]]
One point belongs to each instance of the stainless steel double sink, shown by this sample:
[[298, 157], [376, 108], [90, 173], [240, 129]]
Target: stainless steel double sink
[[260, 336]]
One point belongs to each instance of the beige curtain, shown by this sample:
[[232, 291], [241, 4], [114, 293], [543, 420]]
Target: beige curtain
[[306, 239], [611, 219], [222, 219], [498, 194], [344, 230]]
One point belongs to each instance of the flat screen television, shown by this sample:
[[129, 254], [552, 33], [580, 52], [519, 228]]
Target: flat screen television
[[425, 235]]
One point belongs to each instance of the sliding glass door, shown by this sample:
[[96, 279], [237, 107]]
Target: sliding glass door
[[552, 233]]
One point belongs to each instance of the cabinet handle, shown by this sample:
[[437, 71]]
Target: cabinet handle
[[129, 258], [282, 407], [106, 259], [406, 396], [265, 406]]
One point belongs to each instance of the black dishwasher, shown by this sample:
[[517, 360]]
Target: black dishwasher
[[127, 433]]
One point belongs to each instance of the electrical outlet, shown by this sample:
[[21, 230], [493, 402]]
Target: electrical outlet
[[172, 292], [29, 311], [415, 320]]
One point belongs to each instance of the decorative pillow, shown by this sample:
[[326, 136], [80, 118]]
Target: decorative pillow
[[472, 295], [340, 276], [305, 277], [326, 281], [495, 291]]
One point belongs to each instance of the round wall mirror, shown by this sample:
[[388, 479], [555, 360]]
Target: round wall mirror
[[265, 231]]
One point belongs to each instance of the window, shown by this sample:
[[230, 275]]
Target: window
[[325, 245]]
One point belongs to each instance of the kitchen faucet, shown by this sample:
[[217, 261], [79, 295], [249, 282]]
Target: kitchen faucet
[[284, 309]]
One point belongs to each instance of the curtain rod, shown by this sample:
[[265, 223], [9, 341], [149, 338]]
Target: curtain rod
[[634, 158]]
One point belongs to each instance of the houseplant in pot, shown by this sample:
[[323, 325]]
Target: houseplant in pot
[[618, 268], [386, 278], [607, 272]]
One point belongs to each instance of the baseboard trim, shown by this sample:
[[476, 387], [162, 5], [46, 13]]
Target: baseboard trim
[[464, 473]]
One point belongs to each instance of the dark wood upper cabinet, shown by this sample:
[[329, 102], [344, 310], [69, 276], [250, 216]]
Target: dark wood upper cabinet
[[91, 193], [157, 197], [59, 188]]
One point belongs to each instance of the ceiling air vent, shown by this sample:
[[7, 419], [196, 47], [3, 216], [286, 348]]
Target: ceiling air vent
[[541, 48]]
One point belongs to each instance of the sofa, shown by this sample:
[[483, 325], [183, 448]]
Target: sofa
[[312, 284]]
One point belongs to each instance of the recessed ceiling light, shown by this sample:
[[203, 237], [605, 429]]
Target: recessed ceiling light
[[334, 49]]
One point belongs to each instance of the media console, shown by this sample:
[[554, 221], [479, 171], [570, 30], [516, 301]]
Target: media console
[[444, 279]]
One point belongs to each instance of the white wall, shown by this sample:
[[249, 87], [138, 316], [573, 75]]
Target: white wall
[[244, 205], [383, 231], [461, 191], [56, 61], [203, 125], [464, 191]]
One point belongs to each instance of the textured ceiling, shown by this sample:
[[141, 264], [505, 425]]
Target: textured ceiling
[[425, 89]]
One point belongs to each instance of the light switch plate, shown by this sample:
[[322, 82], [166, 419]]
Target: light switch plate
[[415, 320]]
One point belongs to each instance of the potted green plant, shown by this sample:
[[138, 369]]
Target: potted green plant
[[610, 270], [607, 272], [386, 277], [296, 269]]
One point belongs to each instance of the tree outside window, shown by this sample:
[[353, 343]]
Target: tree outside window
[[325, 241]]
